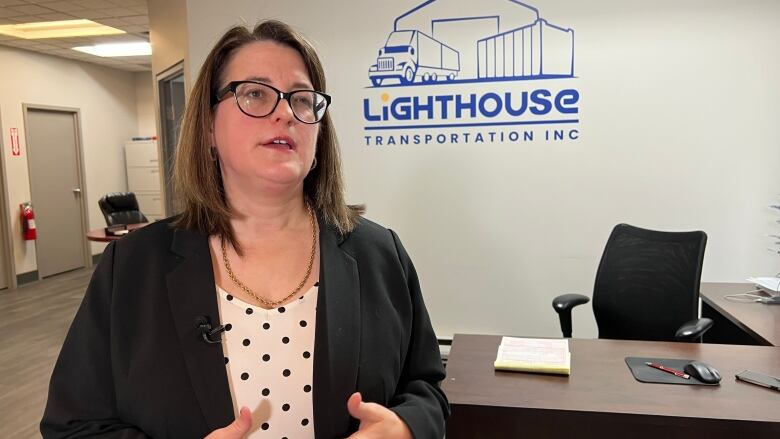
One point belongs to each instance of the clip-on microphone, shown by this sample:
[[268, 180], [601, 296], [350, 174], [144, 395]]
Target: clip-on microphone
[[203, 326]]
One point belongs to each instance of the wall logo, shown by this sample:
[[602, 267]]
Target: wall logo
[[458, 72]]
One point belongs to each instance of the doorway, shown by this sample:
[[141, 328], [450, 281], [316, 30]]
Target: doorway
[[57, 188], [170, 86]]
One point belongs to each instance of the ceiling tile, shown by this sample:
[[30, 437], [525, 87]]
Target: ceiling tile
[[118, 12], [137, 29], [62, 6], [94, 15], [128, 15], [13, 43], [137, 19], [23, 18], [7, 12], [54, 16], [90, 4], [30, 9], [127, 3], [139, 9], [113, 22]]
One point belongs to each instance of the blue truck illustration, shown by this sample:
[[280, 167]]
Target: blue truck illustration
[[411, 55], [497, 40]]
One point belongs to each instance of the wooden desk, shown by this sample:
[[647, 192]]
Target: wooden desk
[[601, 399], [99, 235], [738, 322]]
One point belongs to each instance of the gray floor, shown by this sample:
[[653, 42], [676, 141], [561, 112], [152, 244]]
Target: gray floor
[[33, 321]]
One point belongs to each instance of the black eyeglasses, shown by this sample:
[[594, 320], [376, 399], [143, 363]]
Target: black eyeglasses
[[256, 99]]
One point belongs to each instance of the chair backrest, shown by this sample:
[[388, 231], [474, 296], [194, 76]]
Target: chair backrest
[[121, 208], [647, 284]]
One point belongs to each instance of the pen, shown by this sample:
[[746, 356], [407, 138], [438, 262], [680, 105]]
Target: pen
[[674, 372]]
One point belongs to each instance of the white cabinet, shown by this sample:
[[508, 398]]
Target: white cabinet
[[143, 177]]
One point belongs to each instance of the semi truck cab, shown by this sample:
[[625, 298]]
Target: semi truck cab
[[411, 55]]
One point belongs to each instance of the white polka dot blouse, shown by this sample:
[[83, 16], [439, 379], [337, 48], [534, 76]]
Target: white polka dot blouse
[[269, 356]]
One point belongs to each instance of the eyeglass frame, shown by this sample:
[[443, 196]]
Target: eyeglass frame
[[233, 85]]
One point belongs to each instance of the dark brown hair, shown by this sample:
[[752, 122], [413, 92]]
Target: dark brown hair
[[196, 173]]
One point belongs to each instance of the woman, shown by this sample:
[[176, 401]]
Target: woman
[[268, 308]]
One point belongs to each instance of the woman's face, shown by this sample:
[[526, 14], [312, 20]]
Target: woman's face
[[274, 152]]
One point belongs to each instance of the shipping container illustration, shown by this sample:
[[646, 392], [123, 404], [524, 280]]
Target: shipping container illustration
[[536, 50], [444, 41]]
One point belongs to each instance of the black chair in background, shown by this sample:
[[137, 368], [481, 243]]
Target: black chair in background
[[121, 208], [647, 287]]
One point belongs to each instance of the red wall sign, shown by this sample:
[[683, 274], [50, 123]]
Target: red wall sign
[[15, 150]]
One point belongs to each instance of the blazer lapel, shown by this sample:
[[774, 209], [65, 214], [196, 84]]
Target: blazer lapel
[[337, 336], [191, 292]]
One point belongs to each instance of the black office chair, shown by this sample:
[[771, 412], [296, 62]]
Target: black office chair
[[647, 287], [121, 208]]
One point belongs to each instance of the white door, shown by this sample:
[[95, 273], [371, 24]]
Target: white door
[[55, 183]]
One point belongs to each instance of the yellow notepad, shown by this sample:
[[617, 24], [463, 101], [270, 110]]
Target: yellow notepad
[[537, 355]]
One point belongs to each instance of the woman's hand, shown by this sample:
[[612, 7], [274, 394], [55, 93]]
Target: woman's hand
[[376, 421], [237, 429]]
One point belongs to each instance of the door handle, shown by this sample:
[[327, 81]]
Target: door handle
[[76, 190]]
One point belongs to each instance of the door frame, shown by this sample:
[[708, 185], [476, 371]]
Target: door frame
[[76, 113], [174, 70], [5, 223]]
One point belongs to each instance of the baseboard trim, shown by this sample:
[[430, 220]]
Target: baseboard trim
[[26, 278]]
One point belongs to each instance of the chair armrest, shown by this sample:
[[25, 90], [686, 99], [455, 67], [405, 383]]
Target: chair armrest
[[565, 302], [563, 305], [693, 330]]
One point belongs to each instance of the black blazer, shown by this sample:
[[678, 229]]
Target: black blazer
[[133, 364]]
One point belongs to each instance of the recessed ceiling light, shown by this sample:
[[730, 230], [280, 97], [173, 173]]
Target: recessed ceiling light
[[117, 49], [58, 29]]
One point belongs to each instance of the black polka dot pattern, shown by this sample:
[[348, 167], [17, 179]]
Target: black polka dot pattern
[[261, 344]]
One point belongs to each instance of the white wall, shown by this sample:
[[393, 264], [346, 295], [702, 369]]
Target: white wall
[[144, 102], [106, 98], [677, 131]]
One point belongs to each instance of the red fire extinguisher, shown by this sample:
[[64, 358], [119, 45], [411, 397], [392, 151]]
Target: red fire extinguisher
[[28, 221]]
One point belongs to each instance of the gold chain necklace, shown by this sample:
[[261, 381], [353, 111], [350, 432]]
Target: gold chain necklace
[[272, 303]]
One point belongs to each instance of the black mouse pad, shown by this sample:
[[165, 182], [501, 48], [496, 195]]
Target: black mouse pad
[[646, 374]]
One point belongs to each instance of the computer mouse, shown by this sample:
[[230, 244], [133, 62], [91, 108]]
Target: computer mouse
[[702, 372]]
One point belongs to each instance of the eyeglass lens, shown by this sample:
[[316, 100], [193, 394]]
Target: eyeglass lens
[[260, 100]]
